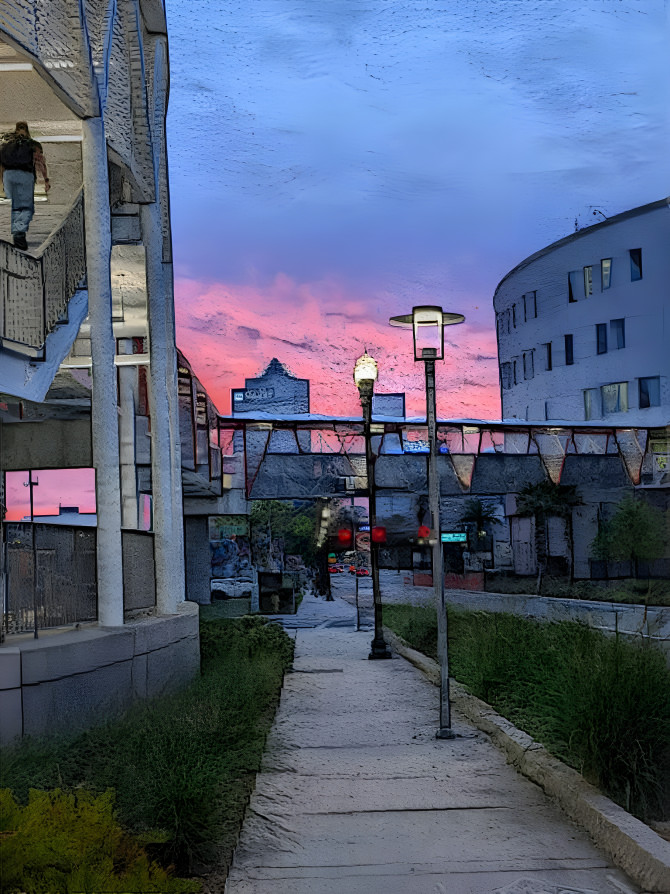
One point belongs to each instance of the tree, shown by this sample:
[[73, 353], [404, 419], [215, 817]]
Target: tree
[[541, 501], [476, 513], [283, 520], [634, 533]]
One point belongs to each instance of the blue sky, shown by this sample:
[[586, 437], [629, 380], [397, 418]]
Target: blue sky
[[334, 162]]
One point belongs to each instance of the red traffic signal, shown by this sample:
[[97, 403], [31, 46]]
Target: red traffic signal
[[378, 534], [344, 537], [423, 533]]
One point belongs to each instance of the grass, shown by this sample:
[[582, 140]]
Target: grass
[[182, 767], [630, 590], [599, 703]]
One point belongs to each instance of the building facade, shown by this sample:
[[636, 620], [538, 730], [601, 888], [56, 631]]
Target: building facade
[[583, 325], [88, 369]]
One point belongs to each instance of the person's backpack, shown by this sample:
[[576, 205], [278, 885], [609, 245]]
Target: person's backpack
[[17, 154]]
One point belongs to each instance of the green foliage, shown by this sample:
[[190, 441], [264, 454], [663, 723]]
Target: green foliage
[[474, 512], [597, 702], [72, 842], [293, 523], [635, 532], [185, 763], [546, 498]]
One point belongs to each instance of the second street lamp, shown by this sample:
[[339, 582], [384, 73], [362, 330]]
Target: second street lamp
[[427, 323], [365, 376]]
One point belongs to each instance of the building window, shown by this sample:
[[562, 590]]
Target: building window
[[529, 306], [547, 356], [615, 397], [592, 408], [588, 281], [601, 338], [569, 350], [650, 392], [528, 365], [618, 333], [571, 291], [635, 264], [514, 375], [514, 315], [506, 373], [605, 273]]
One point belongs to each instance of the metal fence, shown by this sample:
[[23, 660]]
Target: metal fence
[[51, 576], [35, 290]]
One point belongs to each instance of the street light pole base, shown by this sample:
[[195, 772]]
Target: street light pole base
[[379, 650], [445, 733]]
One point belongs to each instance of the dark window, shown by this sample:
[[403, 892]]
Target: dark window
[[506, 376], [588, 281], [635, 264], [547, 356], [601, 338], [514, 371], [605, 273], [650, 392], [618, 333], [571, 293], [528, 365], [514, 315], [569, 350]]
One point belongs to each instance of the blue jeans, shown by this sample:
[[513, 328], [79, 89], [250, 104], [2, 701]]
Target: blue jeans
[[20, 190]]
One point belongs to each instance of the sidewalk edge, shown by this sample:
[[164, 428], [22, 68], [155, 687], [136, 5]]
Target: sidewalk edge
[[631, 844]]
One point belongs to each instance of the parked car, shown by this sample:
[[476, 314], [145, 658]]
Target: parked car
[[362, 572], [335, 569]]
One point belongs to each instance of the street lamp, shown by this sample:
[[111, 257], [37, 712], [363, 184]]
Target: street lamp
[[365, 376], [427, 323]]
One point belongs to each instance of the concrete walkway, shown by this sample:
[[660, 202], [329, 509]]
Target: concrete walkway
[[356, 795]]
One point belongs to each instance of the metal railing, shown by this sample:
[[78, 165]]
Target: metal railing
[[35, 289]]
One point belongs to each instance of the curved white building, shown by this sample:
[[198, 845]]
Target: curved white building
[[583, 325]]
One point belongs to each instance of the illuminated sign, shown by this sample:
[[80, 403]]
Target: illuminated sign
[[454, 537]]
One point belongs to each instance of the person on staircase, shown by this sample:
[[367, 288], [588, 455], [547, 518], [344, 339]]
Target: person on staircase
[[21, 160]]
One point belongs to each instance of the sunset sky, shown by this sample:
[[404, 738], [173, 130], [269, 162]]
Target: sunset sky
[[334, 162]]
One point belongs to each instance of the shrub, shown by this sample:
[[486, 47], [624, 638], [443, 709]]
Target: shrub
[[184, 763], [600, 703], [72, 842]]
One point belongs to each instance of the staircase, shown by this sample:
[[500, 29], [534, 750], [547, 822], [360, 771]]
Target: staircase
[[36, 286]]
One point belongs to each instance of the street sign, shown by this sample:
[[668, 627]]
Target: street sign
[[454, 537], [364, 527]]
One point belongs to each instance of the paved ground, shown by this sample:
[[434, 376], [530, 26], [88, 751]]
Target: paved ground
[[356, 795]]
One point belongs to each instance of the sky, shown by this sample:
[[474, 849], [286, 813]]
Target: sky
[[335, 162]]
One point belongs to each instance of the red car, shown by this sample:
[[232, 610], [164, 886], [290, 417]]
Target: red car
[[362, 572]]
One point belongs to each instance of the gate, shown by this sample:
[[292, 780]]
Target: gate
[[51, 576]]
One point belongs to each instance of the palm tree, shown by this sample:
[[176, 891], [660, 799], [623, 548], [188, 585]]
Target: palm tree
[[540, 501], [476, 513]]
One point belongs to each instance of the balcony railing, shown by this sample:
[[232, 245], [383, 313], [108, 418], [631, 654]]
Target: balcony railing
[[35, 289]]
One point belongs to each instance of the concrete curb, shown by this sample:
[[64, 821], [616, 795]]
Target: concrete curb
[[632, 845]]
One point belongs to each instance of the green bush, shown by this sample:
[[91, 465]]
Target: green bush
[[600, 703], [183, 764], [71, 842]]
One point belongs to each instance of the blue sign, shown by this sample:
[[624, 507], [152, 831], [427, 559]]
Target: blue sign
[[364, 527], [454, 537]]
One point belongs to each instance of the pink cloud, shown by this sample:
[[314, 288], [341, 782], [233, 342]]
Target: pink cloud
[[230, 332]]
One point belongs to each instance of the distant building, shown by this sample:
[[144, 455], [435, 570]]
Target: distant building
[[276, 390], [583, 325]]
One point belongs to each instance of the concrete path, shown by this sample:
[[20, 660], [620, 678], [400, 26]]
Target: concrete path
[[356, 795]]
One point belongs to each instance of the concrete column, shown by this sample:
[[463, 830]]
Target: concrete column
[[165, 445], [104, 415]]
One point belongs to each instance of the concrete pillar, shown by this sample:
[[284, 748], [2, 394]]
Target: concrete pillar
[[165, 445], [104, 416]]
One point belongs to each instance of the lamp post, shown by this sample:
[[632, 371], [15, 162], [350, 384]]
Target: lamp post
[[427, 323], [365, 376]]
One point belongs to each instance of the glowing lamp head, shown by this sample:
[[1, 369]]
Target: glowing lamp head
[[365, 370]]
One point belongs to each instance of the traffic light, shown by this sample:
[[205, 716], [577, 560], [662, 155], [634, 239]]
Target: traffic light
[[378, 534], [344, 538]]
